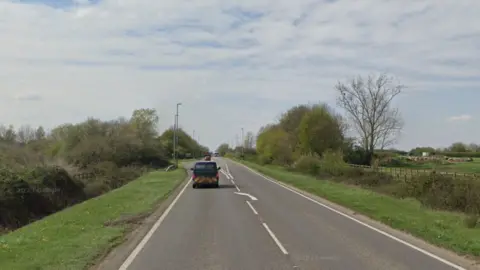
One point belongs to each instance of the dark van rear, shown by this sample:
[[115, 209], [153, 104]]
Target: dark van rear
[[205, 173]]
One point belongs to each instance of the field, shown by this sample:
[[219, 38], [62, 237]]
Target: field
[[459, 167], [400, 168]]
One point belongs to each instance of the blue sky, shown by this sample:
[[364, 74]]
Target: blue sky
[[246, 62]]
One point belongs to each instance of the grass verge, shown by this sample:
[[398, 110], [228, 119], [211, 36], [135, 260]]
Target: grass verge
[[75, 237], [444, 229]]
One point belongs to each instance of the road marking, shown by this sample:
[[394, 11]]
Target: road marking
[[429, 254], [226, 175], [282, 248], [147, 237], [228, 171], [246, 194], [251, 207], [237, 188], [226, 166]]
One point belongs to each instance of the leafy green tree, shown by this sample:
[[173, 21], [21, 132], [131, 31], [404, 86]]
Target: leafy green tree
[[320, 130], [274, 146]]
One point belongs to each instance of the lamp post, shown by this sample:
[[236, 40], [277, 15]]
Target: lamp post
[[243, 144], [175, 136]]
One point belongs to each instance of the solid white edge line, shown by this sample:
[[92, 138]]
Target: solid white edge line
[[431, 255], [251, 207], [282, 248], [147, 237], [237, 188]]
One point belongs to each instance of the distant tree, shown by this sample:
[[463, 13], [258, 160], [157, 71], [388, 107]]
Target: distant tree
[[8, 134], [474, 147], [249, 141], [223, 149], [458, 147], [186, 144], [40, 133], [367, 103], [25, 134]]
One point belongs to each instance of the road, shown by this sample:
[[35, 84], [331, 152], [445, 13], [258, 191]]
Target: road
[[273, 228]]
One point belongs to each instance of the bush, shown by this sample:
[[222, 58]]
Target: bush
[[332, 163], [445, 192], [308, 164], [374, 179]]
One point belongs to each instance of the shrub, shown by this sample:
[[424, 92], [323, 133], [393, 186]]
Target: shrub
[[332, 163], [445, 192], [308, 164], [374, 179]]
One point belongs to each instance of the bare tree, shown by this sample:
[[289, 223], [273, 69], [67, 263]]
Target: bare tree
[[474, 147], [40, 133], [7, 134], [25, 134], [368, 105], [249, 142]]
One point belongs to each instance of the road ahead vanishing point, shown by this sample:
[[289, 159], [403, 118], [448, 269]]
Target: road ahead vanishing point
[[252, 223]]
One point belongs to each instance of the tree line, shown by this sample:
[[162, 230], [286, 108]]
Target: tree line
[[40, 171], [457, 149], [313, 129]]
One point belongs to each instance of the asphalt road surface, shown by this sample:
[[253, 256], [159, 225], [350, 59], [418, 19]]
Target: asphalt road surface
[[269, 228]]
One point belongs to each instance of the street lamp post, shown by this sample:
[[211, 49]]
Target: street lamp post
[[175, 136], [243, 145]]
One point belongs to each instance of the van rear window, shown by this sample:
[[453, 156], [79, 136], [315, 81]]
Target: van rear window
[[205, 166]]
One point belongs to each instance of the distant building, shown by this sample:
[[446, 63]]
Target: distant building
[[425, 154]]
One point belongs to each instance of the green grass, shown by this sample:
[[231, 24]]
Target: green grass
[[76, 236], [443, 229]]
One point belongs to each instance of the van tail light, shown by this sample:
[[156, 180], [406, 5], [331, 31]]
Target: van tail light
[[218, 175], [194, 176]]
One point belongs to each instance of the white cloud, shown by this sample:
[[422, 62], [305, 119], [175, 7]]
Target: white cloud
[[108, 58], [460, 118]]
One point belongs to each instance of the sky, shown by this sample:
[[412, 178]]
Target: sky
[[238, 64]]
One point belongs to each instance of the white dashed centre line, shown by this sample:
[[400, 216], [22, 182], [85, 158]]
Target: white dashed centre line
[[251, 207], [282, 248]]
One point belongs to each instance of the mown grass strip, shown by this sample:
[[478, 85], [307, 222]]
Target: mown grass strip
[[444, 229], [75, 237]]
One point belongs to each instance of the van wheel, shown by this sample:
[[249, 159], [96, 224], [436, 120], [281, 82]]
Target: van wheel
[[217, 185], [194, 185]]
